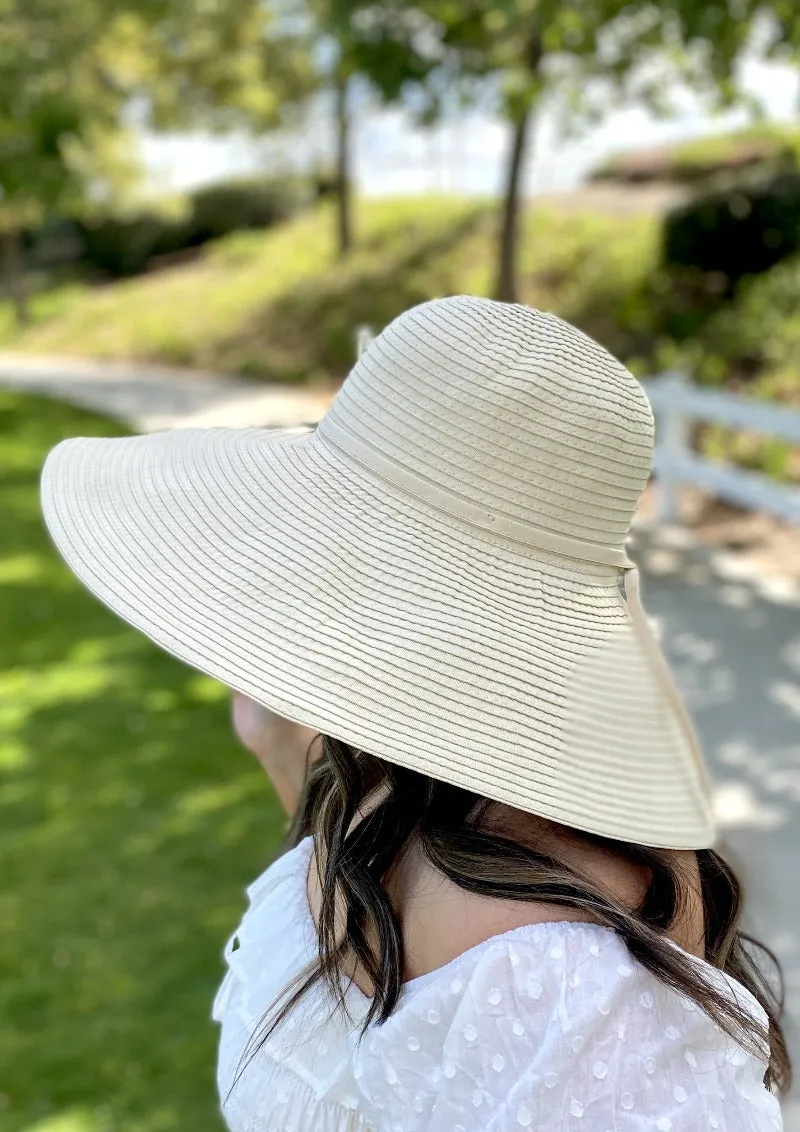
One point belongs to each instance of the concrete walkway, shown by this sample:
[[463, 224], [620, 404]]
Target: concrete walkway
[[733, 642], [149, 398], [734, 648]]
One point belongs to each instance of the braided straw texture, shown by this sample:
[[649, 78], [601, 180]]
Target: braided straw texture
[[415, 614]]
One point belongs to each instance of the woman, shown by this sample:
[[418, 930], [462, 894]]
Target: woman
[[502, 909]]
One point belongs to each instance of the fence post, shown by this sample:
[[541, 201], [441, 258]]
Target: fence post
[[364, 335], [674, 426]]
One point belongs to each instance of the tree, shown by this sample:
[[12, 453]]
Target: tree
[[583, 55], [50, 110], [336, 79], [71, 73], [222, 63], [344, 180], [385, 63]]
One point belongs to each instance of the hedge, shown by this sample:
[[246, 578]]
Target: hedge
[[117, 247], [738, 232]]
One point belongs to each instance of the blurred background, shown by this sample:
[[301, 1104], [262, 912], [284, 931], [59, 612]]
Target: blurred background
[[202, 205]]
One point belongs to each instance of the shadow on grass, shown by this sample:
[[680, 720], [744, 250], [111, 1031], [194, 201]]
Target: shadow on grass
[[129, 824]]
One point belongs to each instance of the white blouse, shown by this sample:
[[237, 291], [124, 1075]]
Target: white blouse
[[547, 1027]]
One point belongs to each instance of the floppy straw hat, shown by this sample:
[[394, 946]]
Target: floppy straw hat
[[432, 574]]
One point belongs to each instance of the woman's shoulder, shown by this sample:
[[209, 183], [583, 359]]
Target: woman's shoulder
[[553, 1018], [582, 971]]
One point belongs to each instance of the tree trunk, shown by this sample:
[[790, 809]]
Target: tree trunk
[[506, 287], [506, 283], [14, 271], [343, 182]]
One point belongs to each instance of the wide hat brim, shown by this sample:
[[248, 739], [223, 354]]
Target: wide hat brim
[[274, 563]]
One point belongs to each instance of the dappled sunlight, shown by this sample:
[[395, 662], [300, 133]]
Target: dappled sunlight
[[197, 803], [13, 755], [280, 304], [737, 807], [130, 823], [189, 814], [74, 1120], [707, 679], [306, 330], [159, 699], [205, 690], [735, 653], [787, 696], [695, 648], [58, 684], [735, 597], [660, 561], [23, 568], [708, 686]]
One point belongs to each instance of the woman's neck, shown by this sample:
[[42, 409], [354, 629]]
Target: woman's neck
[[440, 920]]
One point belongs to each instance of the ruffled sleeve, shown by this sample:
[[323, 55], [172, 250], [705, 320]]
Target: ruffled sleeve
[[554, 1027]]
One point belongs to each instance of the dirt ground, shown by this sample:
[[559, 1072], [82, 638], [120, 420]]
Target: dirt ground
[[768, 545], [618, 200]]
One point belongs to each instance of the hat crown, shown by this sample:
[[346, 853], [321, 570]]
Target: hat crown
[[509, 408]]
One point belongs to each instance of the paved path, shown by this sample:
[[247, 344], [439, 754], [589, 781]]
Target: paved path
[[735, 651], [618, 199], [734, 643], [148, 398]]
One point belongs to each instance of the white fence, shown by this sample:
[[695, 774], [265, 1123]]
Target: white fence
[[677, 404], [364, 335]]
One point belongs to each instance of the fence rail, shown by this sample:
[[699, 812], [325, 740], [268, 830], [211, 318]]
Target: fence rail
[[677, 404]]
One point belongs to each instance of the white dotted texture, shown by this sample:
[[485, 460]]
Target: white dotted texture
[[488, 1043]]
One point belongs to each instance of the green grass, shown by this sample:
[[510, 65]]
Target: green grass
[[129, 823], [279, 306], [218, 311]]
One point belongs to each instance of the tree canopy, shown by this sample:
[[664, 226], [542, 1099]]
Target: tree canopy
[[74, 78], [586, 56]]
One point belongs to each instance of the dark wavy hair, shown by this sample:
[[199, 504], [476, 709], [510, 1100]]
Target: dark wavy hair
[[364, 812]]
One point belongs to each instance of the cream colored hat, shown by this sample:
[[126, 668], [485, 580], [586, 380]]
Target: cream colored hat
[[432, 574]]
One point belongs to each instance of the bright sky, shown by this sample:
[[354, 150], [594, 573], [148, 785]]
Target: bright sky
[[395, 157]]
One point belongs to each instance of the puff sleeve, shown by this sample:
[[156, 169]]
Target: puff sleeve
[[555, 1028]]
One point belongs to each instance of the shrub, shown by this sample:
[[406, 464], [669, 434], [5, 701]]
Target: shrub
[[762, 329], [738, 232], [125, 247], [119, 247], [216, 210]]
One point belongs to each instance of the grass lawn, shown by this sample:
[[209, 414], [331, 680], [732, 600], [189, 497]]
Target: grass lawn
[[278, 306], [130, 820]]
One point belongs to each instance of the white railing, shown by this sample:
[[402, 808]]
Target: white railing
[[364, 335], [677, 404]]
